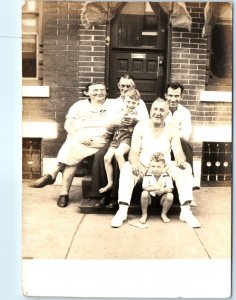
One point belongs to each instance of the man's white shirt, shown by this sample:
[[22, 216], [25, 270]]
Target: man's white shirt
[[181, 119]]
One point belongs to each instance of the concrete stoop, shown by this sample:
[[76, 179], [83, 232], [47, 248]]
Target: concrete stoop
[[87, 206]]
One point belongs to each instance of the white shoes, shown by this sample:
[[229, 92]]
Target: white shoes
[[119, 217], [187, 216]]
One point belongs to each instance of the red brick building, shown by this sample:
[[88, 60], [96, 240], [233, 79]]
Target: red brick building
[[62, 52]]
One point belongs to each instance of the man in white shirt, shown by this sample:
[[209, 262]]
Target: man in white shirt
[[148, 138], [180, 117], [178, 114]]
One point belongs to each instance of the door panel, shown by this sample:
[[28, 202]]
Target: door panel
[[137, 65], [148, 74]]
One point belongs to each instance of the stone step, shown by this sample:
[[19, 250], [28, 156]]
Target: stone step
[[87, 206]]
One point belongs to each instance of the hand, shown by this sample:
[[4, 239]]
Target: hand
[[181, 164], [126, 121], [138, 169], [160, 191], [85, 140], [135, 169]]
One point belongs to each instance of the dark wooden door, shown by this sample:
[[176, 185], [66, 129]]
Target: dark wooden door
[[138, 47], [148, 73]]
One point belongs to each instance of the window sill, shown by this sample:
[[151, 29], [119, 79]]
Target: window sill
[[45, 130], [35, 91], [220, 87], [215, 96]]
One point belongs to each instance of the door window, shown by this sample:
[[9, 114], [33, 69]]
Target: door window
[[138, 26]]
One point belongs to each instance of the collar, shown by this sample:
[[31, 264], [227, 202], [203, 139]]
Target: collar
[[179, 108]]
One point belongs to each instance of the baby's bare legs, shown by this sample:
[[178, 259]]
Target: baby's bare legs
[[166, 202], [145, 201], [109, 169], [120, 152]]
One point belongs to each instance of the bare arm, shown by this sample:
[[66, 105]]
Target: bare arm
[[136, 143], [165, 190], [180, 158], [168, 190], [156, 188]]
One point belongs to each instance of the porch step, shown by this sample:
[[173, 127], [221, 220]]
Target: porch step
[[87, 206]]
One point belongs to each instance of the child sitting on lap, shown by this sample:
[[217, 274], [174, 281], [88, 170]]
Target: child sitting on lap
[[122, 134], [157, 184]]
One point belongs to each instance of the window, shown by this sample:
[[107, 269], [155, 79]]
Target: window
[[29, 56], [220, 50], [31, 41], [138, 26]]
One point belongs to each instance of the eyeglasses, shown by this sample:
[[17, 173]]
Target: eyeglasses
[[125, 85]]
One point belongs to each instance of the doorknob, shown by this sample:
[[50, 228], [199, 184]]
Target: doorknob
[[160, 64]]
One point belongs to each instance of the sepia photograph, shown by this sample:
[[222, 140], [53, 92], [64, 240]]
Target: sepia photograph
[[126, 149]]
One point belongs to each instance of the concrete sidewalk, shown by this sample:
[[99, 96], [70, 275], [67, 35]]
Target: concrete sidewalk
[[50, 232]]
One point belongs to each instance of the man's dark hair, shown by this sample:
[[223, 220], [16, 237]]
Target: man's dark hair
[[174, 86]]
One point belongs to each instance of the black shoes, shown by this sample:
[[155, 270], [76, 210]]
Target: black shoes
[[106, 201], [42, 181], [113, 204], [63, 200], [47, 180], [102, 202]]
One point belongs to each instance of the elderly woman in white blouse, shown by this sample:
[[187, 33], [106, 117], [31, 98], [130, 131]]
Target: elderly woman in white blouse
[[85, 125]]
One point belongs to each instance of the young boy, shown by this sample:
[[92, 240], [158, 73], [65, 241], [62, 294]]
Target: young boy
[[121, 141], [157, 183]]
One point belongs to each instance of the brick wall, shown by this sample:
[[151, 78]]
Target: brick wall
[[92, 54], [72, 57], [60, 69], [188, 66]]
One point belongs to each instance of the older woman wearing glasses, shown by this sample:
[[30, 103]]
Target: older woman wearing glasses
[[86, 134]]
